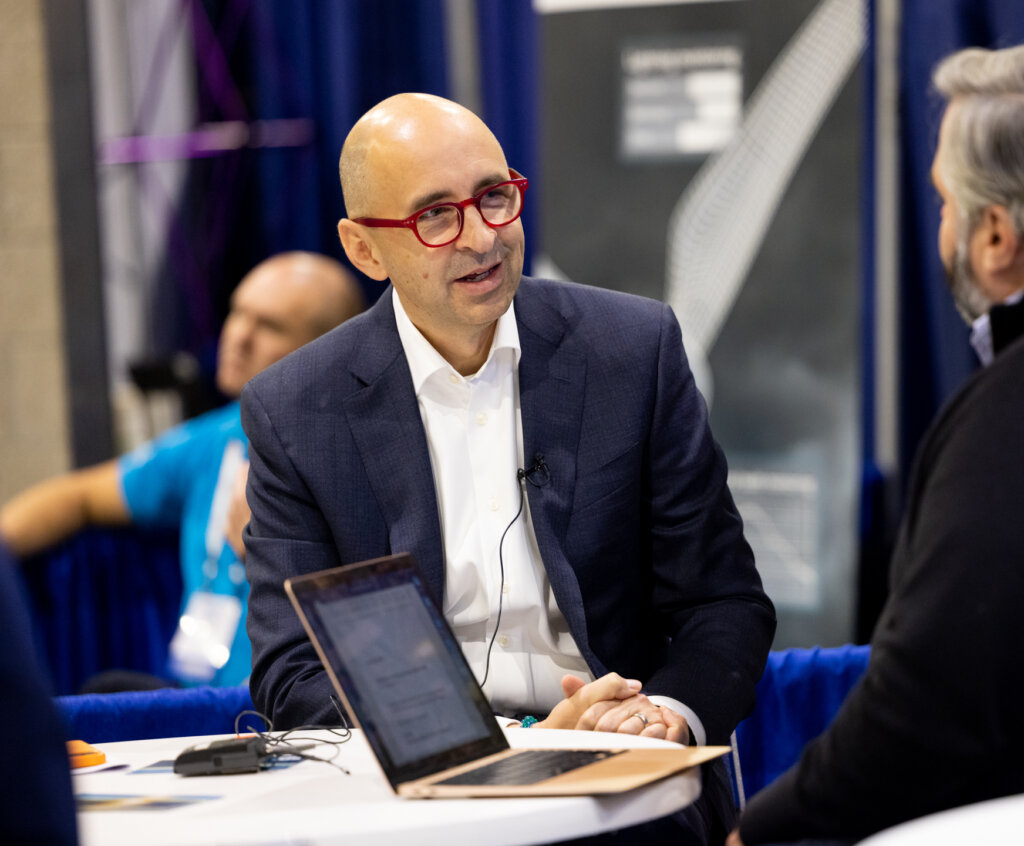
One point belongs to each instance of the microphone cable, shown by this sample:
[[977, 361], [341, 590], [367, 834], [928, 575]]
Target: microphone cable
[[520, 477]]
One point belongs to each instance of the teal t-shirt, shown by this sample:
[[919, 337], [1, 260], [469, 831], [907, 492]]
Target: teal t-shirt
[[170, 482]]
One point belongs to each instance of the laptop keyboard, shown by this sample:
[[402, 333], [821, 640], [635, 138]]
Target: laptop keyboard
[[531, 766]]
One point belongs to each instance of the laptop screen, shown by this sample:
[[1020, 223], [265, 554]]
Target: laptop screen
[[400, 668]]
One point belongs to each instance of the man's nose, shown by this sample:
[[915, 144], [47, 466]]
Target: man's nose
[[476, 235], [241, 329]]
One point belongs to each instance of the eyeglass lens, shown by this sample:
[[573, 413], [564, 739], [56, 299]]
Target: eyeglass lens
[[442, 224]]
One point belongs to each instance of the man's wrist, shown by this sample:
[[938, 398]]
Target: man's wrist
[[524, 722]]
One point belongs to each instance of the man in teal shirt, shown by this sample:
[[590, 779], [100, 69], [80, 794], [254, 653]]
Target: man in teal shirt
[[193, 476], [186, 478]]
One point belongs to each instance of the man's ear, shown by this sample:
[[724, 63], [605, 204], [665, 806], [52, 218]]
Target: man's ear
[[998, 248], [361, 251]]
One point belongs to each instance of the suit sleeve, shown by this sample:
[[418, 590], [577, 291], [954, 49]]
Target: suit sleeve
[[286, 536], [706, 590]]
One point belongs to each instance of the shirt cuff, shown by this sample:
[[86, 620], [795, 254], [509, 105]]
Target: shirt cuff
[[697, 734]]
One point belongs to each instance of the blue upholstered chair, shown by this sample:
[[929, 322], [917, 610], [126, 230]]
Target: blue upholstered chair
[[170, 712], [798, 695]]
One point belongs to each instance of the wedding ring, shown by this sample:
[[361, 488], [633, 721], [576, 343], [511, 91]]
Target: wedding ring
[[640, 717]]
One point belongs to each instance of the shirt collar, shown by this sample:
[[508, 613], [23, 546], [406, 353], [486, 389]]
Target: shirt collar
[[981, 331], [981, 339], [425, 361]]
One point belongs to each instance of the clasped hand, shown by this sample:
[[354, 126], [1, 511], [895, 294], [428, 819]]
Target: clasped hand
[[614, 704]]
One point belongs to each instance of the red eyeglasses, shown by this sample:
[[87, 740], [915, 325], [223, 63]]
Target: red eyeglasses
[[440, 224]]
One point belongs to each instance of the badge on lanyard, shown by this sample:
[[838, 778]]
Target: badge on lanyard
[[202, 642]]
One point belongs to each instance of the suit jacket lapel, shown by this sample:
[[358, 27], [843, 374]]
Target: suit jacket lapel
[[551, 386], [384, 418]]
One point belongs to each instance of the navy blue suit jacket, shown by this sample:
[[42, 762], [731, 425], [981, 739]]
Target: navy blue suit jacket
[[638, 532]]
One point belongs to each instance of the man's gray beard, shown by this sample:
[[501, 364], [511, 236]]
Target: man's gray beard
[[969, 299]]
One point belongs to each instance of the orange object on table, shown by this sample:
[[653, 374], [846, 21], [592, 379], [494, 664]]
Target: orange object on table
[[81, 754]]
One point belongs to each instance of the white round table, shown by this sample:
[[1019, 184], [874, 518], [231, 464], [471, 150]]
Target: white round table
[[313, 803], [994, 821]]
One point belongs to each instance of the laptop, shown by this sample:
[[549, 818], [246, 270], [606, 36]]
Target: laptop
[[401, 674]]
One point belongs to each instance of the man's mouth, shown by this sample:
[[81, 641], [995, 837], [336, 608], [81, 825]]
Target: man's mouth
[[478, 276]]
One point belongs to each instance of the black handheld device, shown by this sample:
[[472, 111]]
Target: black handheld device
[[222, 757]]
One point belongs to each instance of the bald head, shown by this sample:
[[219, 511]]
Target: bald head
[[398, 129], [411, 153], [281, 304], [325, 293]]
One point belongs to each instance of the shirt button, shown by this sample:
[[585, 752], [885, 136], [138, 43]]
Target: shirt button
[[481, 419], [493, 505], [506, 588], [503, 641], [453, 378]]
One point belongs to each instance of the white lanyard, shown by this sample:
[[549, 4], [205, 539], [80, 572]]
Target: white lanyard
[[231, 462]]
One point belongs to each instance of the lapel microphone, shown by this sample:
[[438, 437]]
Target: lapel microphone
[[537, 474]]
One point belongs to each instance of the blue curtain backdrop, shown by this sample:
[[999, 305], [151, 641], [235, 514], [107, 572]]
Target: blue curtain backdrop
[[330, 62], [509, 78]]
